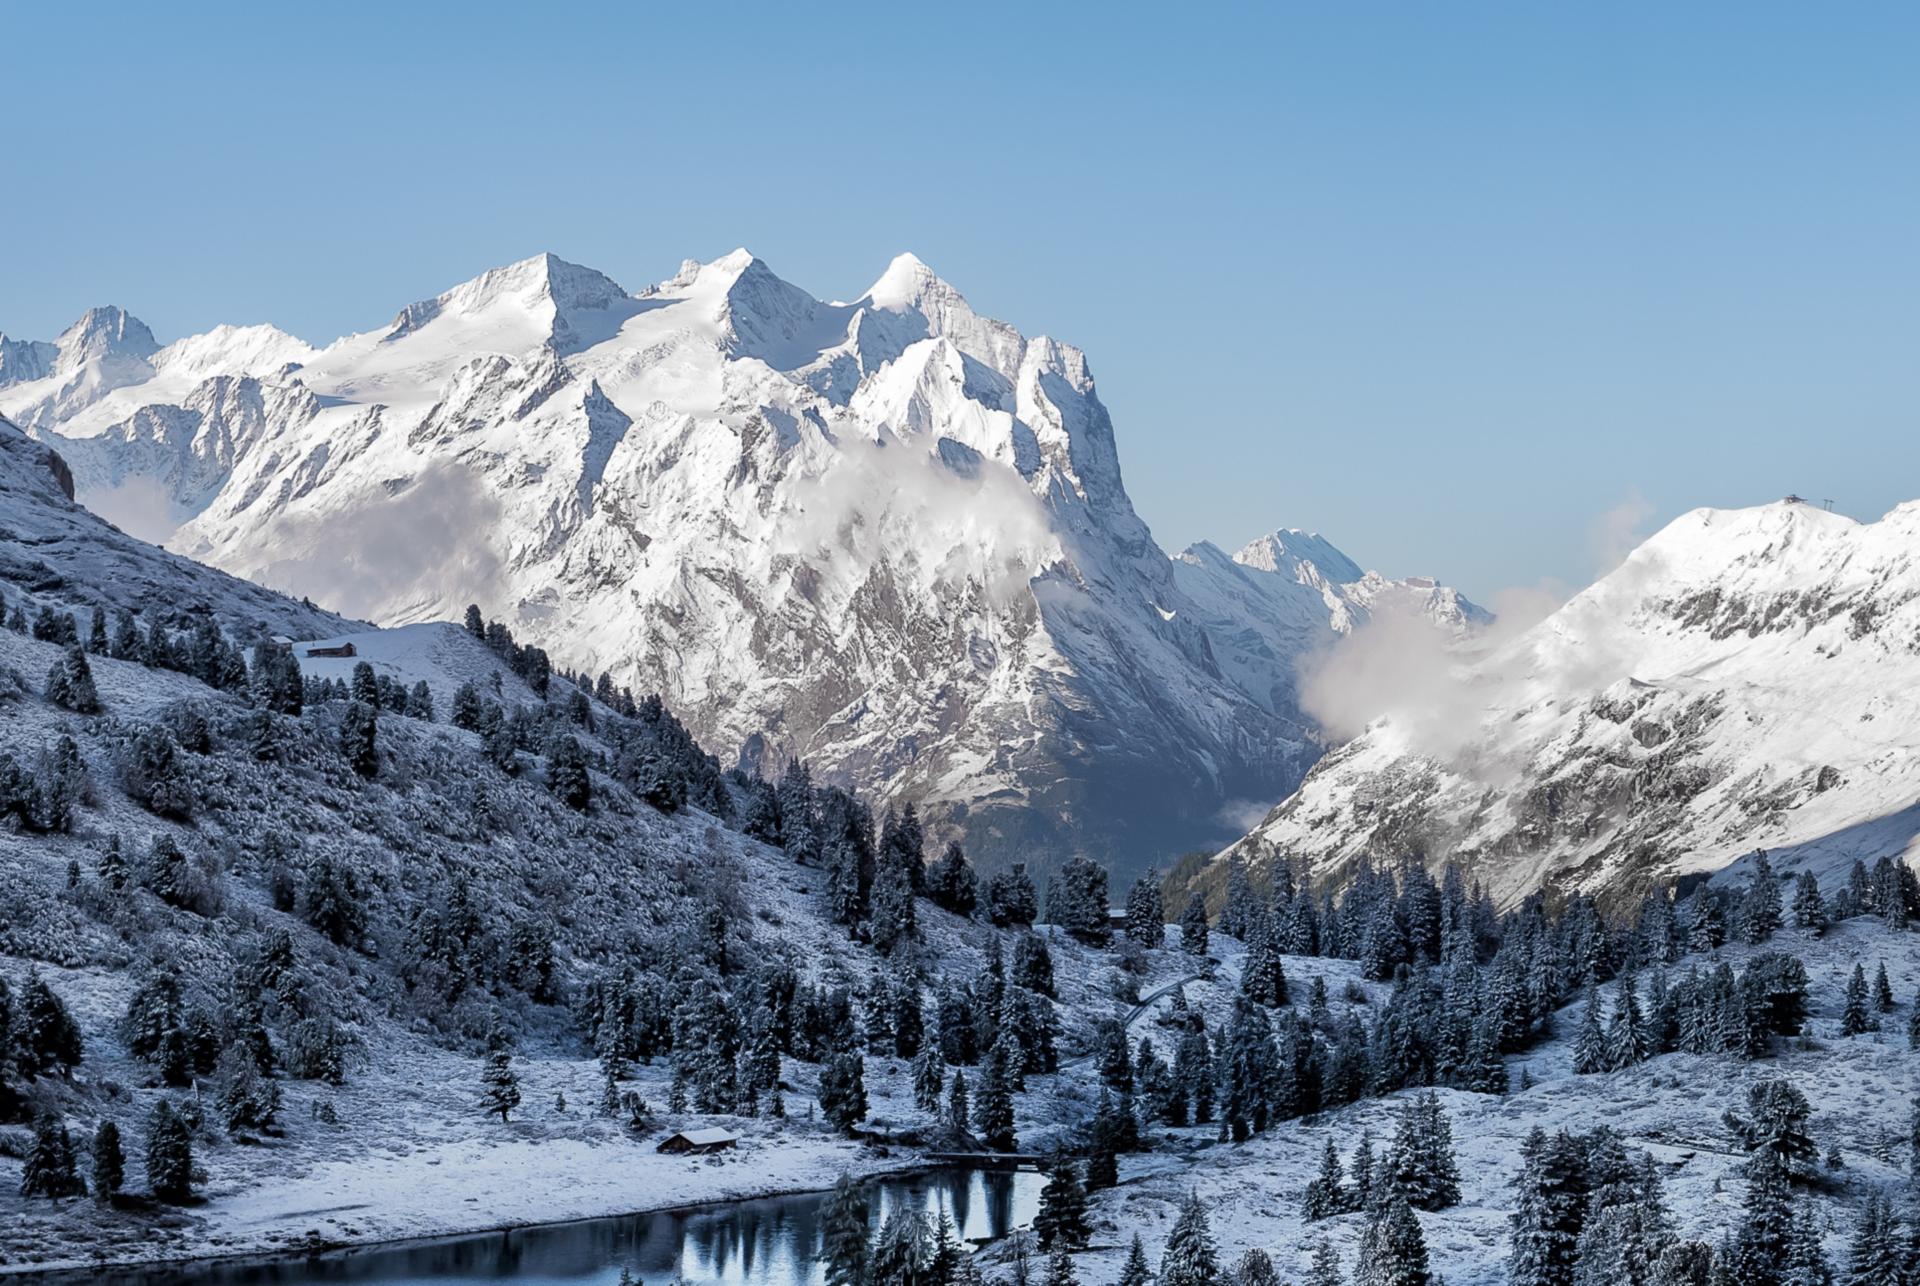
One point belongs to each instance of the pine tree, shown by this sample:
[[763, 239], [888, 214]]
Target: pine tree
[[1774, 1131], [502, 1088], [843, 1090], [567, 775], [958, 1111], [1760, 909], [1012, 899], [1882, 989], [49, 1169], [1420, 1164], [1875, 1257], [1393, 1250], [1263, 978], [247, 1100], [1193, 926], [420, 702], [1135, 1271], [951, 882], [1062, 1216], [169, 1155], [70, 683], [1060, 1267], [993, 1107], [1590, 1042], [1706, 930], [45, 1037], [1326, 1195], [1255, 1269], [1549, 1212], [1077, 901], [1809, 909], [1627, 1041], [1146, 915], [467, 711], [929, 1075], [359, 734], [1189, 1257], [891, 921], [843, 1235], [1761, 1244], [1383, 944], [1192, 1080], [1326, 1265], [1032, 964], [1365, 1192], [1237, 908], [1115, 1056], [1807, 1263], [1111, 1132], [1855, 1018], [127, 643], [109, 1161]]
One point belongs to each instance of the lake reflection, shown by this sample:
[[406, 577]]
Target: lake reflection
[[769, 1242]]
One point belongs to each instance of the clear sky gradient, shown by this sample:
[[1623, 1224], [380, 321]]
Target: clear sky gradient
[[1448, 282]]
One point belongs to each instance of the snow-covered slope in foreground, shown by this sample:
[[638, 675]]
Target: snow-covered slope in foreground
[[889, 535], [1746, 679]]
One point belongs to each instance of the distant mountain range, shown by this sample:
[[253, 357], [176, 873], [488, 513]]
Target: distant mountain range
[[1747, 679], [889, 536]]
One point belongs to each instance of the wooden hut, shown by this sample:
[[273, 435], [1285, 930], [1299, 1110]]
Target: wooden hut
[[698, 1142]]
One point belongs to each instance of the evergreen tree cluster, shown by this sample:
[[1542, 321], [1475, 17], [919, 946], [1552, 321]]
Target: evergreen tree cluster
[[44, 795]]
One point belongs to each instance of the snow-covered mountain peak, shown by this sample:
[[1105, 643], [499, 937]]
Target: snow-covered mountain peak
[[1743, 679], [904, 283], [915, 301], [233, 350], [568, 306], [710, 279], [1304, 555], [102, 333], [889, 535]]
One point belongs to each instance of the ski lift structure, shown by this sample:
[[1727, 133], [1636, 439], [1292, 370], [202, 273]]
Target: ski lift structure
[[1793, 499]]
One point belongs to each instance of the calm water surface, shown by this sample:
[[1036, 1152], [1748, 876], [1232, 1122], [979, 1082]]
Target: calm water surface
[[769, 1242]]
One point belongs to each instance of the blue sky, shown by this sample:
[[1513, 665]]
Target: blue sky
[[1450, 283]]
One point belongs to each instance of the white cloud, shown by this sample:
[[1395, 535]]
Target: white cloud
[[412, 556], [139, 506], [1615, 533], [879, 503]]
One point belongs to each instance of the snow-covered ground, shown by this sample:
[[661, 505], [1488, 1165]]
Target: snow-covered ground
[[1861, 1089]]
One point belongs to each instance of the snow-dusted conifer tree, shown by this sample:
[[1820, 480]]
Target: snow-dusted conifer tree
[[1190, 1258], [1146, 914], [1393, 1250], [1193, 926]]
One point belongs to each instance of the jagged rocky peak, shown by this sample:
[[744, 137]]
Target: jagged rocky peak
[[25, 359], [102, 333], [1305, 555]]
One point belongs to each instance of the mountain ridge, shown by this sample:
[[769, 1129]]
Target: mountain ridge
[[889, 535], [1727, 688]]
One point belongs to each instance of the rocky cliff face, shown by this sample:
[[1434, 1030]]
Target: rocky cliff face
[[889, 536]]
